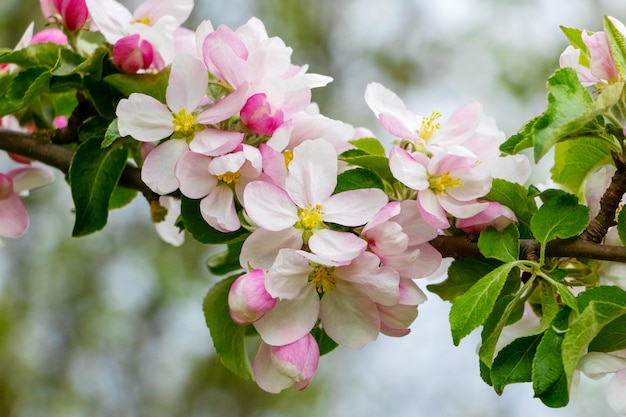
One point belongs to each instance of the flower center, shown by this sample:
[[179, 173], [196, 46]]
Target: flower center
[[310, 217], [145, 21], [184, 123], [429, 126], [442, 183], [229, 177], [323, 279], [288, 155], [6, 186]]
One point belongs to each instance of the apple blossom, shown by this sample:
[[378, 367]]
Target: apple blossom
[[13, 185], [248, 299], [72, 13], [132, 54], [279, 367], [167, 229], [307, 203]]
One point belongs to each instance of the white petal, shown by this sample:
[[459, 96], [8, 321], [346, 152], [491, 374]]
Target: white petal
[[144, 118], [261, 248], [336, 246], [187, 83], [407, 170], [288, 276], [266, 375], [312, 172], [269, 206], [218, 209], [158, 168], [29, 178], [351, 320], [192, 173], [354, 207], [167, 229]]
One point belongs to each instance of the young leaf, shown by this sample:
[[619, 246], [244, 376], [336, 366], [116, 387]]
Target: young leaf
[[523, 139], [560, 217], [471, 309], [516, 197], [45, 54], [225, 262], [371, 146], [575, 159], [325, 343], [357, 178], [507, 310], [153, 85], [617, 43], [375, 163], [462, 274], [503, 246], [26, 87], [228, 337], [548, 374], [575, 38], [514, 362], [621, 226], [200, 229], [611, 338], [584, 329], [111, 135], [94, 173]]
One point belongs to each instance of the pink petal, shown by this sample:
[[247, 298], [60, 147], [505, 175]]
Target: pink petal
[[248, 299], [312, 172], [336, 246], [615, 392], [350, 319], [144, 118], [13, 216], [213, 142], [29, 178], [297, 360], [266, 375], [187, 83], [392, 112], [192, 173], [262, 246], [354, 207], [431, 210], [159, 167], [290, 320], [407, 170], [225, 108], [218, 209], [289, 275], [379, 283], [269, 206]]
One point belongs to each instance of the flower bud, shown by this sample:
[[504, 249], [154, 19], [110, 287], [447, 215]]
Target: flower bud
[[248, 299], [73, 13], [132, 54], [259, 116], [279, 367]]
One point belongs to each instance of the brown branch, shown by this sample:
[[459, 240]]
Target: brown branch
[[598, 226], [59, 157]]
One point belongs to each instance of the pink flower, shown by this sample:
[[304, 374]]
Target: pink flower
[[446, 184], [279, 367], [260, 116], [307, 202], [132, 54], [248, 300], [167, 229], [601, 68], [13, 185], [396, 319], [73, 13], [495, 214], [349, 296]]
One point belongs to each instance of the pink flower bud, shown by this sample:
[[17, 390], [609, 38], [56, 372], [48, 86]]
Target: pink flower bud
[[73, 13], [248, 299], [279, 367], [132, 54], [49, 35], [259, 116]]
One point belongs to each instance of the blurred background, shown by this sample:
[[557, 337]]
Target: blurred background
[[111, 324]]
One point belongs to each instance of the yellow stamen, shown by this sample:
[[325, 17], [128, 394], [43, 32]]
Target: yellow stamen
[[429, 126], [288, 155], [145, 21], [184, 122], [442, 183], [323, 279], [229, 177], [310, 217]]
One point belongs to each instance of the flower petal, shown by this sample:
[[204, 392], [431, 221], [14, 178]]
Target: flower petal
[[312, 172], [218, 209], [289, 275], [269, 206], [354, 207], [260, 249], [407, 170], [13, 216], [159, 167], [192, 173], [187, 83], [350, 319], [336, 246], [144, 118]]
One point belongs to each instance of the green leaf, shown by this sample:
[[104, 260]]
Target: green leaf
[[153, 85], [570, 109], [574, 36], [507, 310], [228, 337], [560, 217], [67, 63], [621, 226], [103, 97], [575, 159], [357, 178], [375, 163], [523, 139], [111, 135], [611, 338], [514, 362], [26, 87], [503, 246], [200, 229], [371, 146], [617, 44], [609, 293], [121, 197], [227, 261], [548, 374], [471, 309], [462, 274], [584, 329], [93, 127], [516, 197], [44, 54], [325, 343], [92, 66], [94, 173]]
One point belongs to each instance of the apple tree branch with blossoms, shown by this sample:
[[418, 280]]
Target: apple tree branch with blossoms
[[328, 235]]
